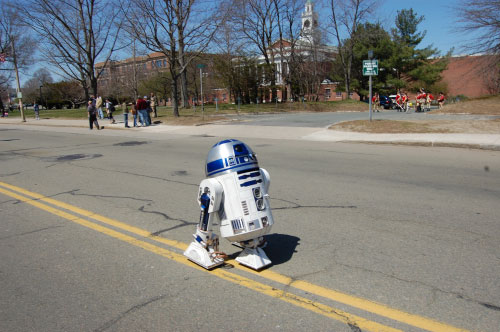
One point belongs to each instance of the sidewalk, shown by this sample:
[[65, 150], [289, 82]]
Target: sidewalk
[[476, 141]]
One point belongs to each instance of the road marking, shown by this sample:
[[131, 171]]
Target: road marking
[[291, 298], [353, 301]]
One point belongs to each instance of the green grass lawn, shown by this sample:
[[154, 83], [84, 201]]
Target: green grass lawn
[[166, 113]]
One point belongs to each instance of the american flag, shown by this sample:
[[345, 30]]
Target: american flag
[[2, 57]]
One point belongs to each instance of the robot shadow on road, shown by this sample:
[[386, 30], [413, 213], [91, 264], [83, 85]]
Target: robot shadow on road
[[281, 247]]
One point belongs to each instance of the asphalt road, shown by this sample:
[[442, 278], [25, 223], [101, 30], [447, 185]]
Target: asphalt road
[[366, 237], [326, 119]]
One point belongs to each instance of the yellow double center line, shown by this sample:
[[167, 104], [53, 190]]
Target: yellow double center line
[[35, 199]]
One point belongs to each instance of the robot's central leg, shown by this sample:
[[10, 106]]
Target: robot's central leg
[[253, 256]]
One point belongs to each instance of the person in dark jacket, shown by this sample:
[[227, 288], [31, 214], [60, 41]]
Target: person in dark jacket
[[92, 114]]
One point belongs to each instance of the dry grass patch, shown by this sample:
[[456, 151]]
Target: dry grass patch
[[485, 105], [420, 127], [189, 120]]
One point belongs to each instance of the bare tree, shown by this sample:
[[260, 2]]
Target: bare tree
[[481, 17], [346, 17], [76, 35], [257, 21], [179, 29], [33, 87], [13, 41]]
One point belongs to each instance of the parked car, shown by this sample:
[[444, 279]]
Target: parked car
[[385, 102]]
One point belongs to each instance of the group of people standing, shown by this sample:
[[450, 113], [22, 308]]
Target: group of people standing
[[423, 101], [141, 110]]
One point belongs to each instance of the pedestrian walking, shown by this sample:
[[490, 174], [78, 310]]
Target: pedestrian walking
[[134, 113], [153, 104], [441, 99], [428, 101], [98, 106], [36, 108], [376, 102], [405, 102], [110, 108], [92, 114], [420, 100], [125, 114]]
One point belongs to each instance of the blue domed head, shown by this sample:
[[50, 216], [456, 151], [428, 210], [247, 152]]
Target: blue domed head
[[230, 156]]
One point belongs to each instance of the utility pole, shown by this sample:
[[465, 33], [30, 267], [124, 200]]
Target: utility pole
[[201, 66], [18, 90], [201, 92]]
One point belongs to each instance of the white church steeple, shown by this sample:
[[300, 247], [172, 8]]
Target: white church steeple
[[309, 24]]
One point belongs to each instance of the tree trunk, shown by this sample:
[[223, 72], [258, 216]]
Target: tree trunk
[[175, 97]]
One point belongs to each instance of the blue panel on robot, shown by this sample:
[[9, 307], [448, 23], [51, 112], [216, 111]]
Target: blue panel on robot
[[220, 165], [215, 165], [250, 183]]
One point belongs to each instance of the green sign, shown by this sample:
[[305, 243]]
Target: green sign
[[370, 67]]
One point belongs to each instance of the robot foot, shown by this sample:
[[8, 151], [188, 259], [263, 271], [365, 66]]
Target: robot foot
[[199, 255], [254, 258]]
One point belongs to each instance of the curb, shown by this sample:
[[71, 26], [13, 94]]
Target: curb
[[488, 147]]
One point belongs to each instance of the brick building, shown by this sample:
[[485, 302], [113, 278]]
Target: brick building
[[472, 76]]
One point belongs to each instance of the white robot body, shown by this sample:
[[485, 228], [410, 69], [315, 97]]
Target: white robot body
[[247, 213], [236, 196]]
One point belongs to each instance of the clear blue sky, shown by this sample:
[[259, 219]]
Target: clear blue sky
[[440, 21]]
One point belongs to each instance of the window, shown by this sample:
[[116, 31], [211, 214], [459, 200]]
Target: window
[[338, 94], [328, 93]]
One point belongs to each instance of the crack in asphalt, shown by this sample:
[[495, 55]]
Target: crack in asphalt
[[136, 307], [74, 193], [183, 223], [30, 232], [137, 174], [9, 174], [299, 206]]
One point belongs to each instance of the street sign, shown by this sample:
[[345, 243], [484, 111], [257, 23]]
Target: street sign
[[370, 67], [201, 65]]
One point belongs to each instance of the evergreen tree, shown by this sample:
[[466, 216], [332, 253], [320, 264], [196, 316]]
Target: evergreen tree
[[414, 68]]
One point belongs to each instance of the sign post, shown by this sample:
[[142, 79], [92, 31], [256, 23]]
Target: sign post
[[370, 68], [201, 66]]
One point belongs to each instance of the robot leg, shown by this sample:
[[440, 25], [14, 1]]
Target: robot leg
[[253, 255], [204, 250]]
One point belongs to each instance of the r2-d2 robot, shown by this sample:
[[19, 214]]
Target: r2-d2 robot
[[234, 194]]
